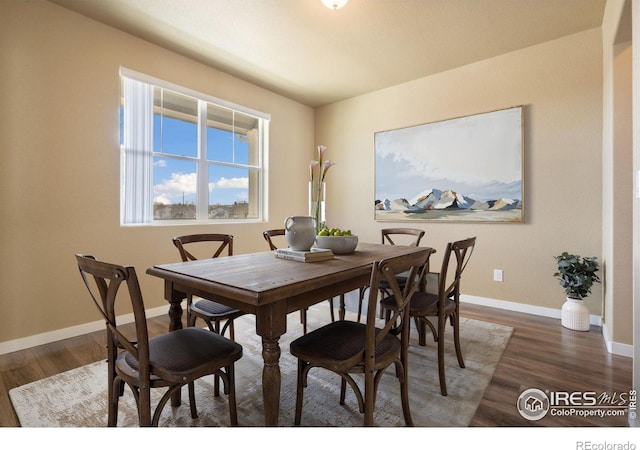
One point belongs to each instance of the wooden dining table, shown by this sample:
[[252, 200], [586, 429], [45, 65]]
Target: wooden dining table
[[270, 288]]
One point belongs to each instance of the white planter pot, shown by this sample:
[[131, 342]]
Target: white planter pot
[[575, 315]]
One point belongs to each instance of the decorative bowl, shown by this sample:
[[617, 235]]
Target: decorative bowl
[[339, 245]]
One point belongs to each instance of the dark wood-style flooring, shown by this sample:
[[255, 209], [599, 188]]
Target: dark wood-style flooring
[[541, 354]]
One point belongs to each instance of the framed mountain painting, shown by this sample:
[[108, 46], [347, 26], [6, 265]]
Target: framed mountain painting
[[468, 169]]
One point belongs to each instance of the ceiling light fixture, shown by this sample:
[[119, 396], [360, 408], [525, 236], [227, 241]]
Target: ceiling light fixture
[[334, 4]]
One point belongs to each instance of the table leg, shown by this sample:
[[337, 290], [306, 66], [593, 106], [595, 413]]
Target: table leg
[[175, 322], [271, 323], [175, 316], [175, 305], [271, 380]]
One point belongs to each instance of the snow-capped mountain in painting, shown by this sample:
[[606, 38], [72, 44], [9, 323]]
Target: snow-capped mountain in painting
[[435, 199]]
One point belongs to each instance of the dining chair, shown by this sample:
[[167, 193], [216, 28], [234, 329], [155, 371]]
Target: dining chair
[[404, 236], [208, 245], [443, 304], [198, 246], [170, 360], [346, 347], [270, 236]]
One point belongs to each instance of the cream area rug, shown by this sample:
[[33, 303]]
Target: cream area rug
[[77, 398]]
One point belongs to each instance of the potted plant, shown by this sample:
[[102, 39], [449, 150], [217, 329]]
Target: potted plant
[[576, 274]]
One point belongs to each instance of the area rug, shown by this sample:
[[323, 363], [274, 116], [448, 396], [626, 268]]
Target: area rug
[[77, 398]]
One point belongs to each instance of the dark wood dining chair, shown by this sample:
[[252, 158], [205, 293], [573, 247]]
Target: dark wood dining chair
[[404, 236], [444, 304], [346, 347], [170, 360], [269, 236], [208, 245]]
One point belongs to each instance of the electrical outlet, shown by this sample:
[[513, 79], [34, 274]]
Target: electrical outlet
[[497, 275]]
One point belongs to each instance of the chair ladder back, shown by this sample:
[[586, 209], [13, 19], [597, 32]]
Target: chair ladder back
[[225, 242]]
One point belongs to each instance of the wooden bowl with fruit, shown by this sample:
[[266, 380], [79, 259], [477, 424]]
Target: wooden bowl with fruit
[[340, 242]]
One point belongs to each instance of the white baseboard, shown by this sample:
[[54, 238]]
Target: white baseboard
[[615, 347], [612, 347], [65, 333]]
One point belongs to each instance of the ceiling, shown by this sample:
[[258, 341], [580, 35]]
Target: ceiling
[[304, 51]]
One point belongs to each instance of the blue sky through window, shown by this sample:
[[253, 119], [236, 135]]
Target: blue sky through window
[[175, 179]]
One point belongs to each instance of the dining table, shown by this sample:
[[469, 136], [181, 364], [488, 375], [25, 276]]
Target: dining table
[[270, 288]]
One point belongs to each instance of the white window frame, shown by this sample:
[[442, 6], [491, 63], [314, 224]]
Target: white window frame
[[145, 182]]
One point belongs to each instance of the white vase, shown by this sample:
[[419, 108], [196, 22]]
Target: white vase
[[575, 315]]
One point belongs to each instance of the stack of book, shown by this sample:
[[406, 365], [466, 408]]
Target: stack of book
[[313, 255]]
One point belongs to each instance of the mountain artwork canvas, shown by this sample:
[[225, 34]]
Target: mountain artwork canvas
[[468, 169]]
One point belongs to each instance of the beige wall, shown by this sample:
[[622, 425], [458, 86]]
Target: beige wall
[[60, 165], [59, 135], [560, 85]]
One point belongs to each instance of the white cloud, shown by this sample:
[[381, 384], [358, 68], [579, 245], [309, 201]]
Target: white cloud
[[230, 183], [178, 185], [162, 199], [181, 185]]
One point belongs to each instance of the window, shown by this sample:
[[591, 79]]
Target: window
[[188, 157]]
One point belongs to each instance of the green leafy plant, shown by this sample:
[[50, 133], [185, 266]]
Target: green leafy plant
[[577, 274]]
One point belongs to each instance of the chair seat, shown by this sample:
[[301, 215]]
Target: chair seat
[[401, 278], [339, 345], [212, 309], [184, 355], [422, 304]]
